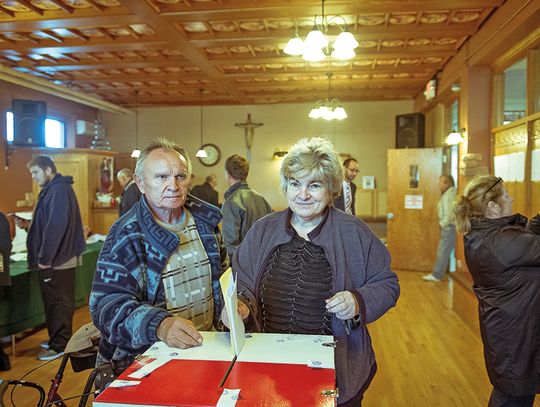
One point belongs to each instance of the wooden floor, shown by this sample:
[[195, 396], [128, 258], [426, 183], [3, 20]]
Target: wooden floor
[[426, 355]]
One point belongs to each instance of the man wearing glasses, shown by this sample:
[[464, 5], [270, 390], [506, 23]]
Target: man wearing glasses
[[345, 201]]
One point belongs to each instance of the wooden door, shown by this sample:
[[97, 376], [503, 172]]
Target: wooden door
[[413, 193]]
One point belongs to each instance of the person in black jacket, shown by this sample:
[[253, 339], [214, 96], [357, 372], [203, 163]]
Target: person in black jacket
[[206, 191], [130, 194], [503, 257], [55, 243], [5, 279]]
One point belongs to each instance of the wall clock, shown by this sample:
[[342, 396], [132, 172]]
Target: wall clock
[[213, 155]]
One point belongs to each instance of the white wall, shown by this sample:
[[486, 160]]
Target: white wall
[[366, 135]]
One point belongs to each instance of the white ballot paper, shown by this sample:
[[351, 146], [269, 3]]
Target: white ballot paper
[[237, 329]]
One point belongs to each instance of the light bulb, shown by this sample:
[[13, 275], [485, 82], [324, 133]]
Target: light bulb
[[314, 113], [455, 137], [313, 54], [343, 54], [316, 38], [295, 46], [340, 113], [345, 40], [201, 153]]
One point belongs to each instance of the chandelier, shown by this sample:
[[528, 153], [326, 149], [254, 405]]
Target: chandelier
[[317, 41], [328, 108]]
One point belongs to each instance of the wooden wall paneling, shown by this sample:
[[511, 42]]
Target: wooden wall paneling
[[364, 203]]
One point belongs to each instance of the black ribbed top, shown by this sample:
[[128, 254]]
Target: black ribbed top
[[293, 288]]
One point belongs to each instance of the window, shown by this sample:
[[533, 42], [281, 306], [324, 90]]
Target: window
[[515, 92], [55, 131]]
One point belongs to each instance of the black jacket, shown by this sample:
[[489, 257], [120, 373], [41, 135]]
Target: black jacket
[[206, 193], [504, 260], [56, 233], [339, 202], [130, 196], [5, 250]]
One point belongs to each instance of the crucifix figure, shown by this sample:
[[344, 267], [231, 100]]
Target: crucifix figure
[[249, 131]]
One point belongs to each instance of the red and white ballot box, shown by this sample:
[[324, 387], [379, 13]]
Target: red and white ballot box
[[270, 370]]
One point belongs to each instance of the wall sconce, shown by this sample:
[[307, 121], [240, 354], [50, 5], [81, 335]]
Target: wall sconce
[[201, 152], [279, 153], [455, 137]]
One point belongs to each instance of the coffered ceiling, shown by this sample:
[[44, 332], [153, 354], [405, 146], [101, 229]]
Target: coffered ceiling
[[164, 51]]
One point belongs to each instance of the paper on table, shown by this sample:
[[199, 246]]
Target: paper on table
[[237, 329]]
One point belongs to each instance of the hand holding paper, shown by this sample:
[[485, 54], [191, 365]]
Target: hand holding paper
[[236, 326]]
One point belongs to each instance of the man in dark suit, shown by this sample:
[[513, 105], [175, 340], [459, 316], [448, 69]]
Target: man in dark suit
[[130, 194], [206, 191], [6, 234], [346, 200]]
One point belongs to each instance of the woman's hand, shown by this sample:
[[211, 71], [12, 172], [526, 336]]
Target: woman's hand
[[343, 304], [243, 311]]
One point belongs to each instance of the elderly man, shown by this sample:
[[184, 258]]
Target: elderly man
[[157, 276], [130, 193], [243, 206], [346, 200]]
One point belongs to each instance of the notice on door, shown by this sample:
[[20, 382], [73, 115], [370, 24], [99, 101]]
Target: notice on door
[[414, 201]]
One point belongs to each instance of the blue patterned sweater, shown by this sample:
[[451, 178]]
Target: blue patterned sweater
[[127, 283]]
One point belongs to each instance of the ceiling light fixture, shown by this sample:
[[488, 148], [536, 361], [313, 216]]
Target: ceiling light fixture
[[136, 152], [328, 108], [317, 41], [201, 153], [455, 137]]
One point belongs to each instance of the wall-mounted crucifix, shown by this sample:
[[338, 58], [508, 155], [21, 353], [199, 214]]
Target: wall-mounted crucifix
[[249, 131]]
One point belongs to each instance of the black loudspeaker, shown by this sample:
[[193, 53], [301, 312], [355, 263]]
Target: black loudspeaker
[[29, 122], [410, 130]]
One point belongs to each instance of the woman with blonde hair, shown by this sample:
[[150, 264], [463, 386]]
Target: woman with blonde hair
[[503, 256], [313, 269]]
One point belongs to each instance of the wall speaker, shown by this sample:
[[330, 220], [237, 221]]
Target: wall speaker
[[29, 122], [410, 130]]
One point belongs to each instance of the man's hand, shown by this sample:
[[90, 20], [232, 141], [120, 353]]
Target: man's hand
[[243, 311], [43, 266], [343, 304], [179, 333], [20, 222]]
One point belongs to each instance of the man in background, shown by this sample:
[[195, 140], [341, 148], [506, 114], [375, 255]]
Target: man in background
[[207, 191], [130, 194], [55, 243], [242, 206], [447, 220], [346, 200]]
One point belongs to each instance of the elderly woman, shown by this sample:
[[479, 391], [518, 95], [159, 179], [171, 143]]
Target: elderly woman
[[312, 269], [503, 257]]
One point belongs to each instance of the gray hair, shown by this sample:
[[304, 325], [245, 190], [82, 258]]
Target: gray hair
[[165, 145], [313, 157], [125, 172]]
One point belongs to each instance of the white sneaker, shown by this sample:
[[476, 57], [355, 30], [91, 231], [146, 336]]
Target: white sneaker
[[44, 345], [49, 354], [429, 277]]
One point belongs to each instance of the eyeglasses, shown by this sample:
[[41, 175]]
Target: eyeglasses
[[351, 170], [491, 187]]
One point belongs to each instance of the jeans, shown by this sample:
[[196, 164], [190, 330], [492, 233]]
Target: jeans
[[447, 243]]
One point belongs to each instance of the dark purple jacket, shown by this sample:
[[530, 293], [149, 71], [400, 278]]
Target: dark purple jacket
[[56, 232], [503, 258], [360, 263]]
